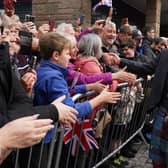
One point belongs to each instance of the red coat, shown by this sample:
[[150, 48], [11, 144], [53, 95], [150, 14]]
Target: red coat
[[88, 65]]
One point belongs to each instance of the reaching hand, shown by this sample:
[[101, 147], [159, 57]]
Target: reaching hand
[[97, 26], [110, 97], [24, 132], [124, 76], [107, 59], [115, 58], [66, 114], [97, 86]]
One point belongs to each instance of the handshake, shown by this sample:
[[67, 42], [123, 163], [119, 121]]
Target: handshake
[[111, 58]]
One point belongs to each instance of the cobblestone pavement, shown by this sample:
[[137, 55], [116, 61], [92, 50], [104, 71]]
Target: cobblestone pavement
[[141, 159]]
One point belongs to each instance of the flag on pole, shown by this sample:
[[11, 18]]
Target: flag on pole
[[107, 3]]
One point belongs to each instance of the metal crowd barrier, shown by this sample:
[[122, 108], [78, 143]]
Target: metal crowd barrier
[[95, 138]]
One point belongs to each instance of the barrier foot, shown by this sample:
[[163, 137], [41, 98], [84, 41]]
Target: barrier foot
[[143, 138]]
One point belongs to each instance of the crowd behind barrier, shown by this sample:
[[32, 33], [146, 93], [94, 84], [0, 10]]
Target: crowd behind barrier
[[83, 147], [88, 129]]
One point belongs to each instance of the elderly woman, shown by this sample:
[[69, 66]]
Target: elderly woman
[[89, 53], [82, 78]]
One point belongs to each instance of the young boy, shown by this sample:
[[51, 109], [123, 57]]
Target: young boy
[[51, 77], [52, 73]]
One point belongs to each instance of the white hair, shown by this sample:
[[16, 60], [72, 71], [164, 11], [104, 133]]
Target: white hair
[[90, 45], [65, 27], [110, 24]]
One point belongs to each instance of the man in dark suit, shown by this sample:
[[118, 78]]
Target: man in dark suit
[[158, 102]]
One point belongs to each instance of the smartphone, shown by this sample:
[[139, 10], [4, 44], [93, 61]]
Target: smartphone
[[25, 42], [82, 19], [52, 25], [33, 62], [29, 18]]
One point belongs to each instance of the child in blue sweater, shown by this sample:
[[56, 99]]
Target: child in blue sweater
[[51, 78]]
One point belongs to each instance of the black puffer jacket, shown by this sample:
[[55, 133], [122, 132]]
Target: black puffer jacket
[[147, 50], [14, 103]]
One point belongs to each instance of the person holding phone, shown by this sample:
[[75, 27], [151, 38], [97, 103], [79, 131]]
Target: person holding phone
[[14, 102], [68, 28], [9, 16], [28, 80]]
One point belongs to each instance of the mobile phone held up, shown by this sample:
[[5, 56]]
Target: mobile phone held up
[[82, 19], [33, 62], [25, 42], [29, 18]]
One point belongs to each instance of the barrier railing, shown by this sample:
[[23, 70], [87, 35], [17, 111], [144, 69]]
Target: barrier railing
[[95, 138]]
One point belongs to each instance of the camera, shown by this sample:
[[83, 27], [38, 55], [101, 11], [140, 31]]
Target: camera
[[29, 18], [33, 62], [25, 42]]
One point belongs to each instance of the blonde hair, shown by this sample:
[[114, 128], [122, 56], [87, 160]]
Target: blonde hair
[[51, 42], [70, 37]]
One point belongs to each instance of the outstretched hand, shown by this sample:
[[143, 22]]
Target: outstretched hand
[[24, 132], [97, 86], [124, 76], [110, 97], [66, 113]]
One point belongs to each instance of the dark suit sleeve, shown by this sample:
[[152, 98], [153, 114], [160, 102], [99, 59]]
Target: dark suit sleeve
[[140, 68], [3, 120], [21, 105]]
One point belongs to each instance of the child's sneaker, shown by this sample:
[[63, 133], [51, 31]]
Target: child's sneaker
[[123, 160], [117, 163]]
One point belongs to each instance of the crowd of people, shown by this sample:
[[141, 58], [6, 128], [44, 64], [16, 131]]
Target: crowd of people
[[36, 92]]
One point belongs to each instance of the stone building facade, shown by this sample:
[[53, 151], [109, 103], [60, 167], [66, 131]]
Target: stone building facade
[[61, 10], [70, 10], [153, 14]]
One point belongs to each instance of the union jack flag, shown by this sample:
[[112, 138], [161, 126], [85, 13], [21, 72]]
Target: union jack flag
[[81, 134], [103, 2]]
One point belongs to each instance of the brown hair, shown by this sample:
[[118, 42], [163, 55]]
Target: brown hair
[[128, 43], [51, 42], [126, 29]]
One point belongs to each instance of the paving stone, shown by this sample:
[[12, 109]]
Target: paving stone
[[141, 159]]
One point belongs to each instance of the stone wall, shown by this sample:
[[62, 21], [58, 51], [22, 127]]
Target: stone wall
[[61, 10], [153, 13]]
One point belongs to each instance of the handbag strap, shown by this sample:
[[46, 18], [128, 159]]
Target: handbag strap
[[75, 80]]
